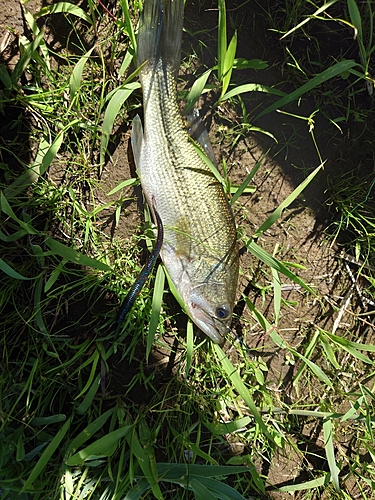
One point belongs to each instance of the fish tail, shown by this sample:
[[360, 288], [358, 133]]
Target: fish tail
[[160, 32]]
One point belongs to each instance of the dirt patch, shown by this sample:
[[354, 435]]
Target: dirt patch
[[13, 25]]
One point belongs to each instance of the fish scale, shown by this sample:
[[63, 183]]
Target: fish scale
[[196, 178], [199, 250]]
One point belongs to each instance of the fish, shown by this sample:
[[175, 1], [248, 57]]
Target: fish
[[200, 248]]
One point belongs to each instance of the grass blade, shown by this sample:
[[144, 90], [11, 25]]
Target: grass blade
[[172, 471], [7, 209], [116, 101], [265, 257], [45, 155], [93, 360], [195, 91], [29, 18], [89, 431], [26, 57], [129, 182], [141, 487], [241, 63], [200, 491], [222, 39], [145, 464], [329, 352], [316, 13], [313, 367], [228, 427], [54, 275], [31, 175], [308, 352], [46, 455], [355, 17], [322, 77], [197, 452], [279, 341], [12, 237], [189, 346], [54, 149], [245, 183], [352, 347], [228, 64], [157, 298], [68, 253], [330, 453], [236, 380], [175, 292], [52, 419], [26, 387], [64, 8], [209, 163], [11, 272], [279, 210], [129, 26], [220, 489], [276, 294], [252, 87], [5, 77], [38, 308], [126, 61], [76, 76], [308, 485], [103, 447], [267, 327], [91, 393]]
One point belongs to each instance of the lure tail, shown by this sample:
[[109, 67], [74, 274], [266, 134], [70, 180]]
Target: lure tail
[[160, 33], [146, 271]]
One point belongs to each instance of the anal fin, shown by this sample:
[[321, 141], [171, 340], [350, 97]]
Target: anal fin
[[137, 139]]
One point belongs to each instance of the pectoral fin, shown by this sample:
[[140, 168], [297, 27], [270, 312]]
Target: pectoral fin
[[183, 238]]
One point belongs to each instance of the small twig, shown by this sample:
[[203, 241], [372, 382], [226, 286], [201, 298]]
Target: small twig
[[355, 284], [4, 42], [343, 309], [359, 263], [107, 11]]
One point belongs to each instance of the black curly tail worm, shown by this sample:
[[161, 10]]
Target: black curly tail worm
[[144, 274]]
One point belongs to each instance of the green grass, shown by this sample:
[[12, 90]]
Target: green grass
[[158, 411]]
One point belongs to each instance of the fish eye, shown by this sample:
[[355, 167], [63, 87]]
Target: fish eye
[[222, 312]]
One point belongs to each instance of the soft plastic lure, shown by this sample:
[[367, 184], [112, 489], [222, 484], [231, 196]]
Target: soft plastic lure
[[144, 274]]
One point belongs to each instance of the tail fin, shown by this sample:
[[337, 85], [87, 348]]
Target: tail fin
[[160, 32]]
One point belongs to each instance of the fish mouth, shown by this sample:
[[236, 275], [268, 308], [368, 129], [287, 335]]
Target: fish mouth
[[211, 326]]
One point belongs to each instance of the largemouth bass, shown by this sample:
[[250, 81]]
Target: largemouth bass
[[200, 247]]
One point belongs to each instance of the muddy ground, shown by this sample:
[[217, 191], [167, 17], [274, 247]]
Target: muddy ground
[[302, 234]]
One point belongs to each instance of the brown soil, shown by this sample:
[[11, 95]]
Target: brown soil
[[299, 237]]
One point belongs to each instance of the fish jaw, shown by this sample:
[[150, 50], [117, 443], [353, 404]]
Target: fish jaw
[[205, 303], [208, 295]]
